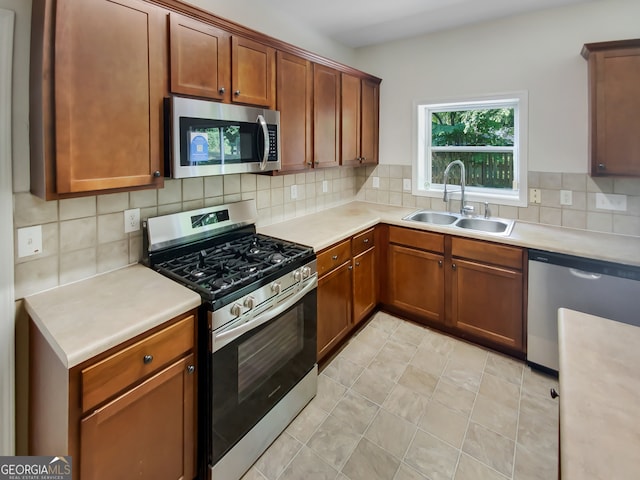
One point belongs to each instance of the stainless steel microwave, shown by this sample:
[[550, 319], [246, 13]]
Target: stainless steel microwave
[[211, 138]]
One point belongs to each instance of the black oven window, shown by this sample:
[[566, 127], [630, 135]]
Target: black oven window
[[263, 354]]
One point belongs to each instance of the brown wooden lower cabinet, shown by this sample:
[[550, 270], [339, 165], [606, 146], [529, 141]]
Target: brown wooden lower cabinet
[[347, 288], [129, 412], [145, 433], [416, 281], [334, 307], [470, 288], [365, 277], [486, 302]]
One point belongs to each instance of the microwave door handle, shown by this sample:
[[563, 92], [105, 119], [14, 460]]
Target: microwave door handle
[[265, 133]]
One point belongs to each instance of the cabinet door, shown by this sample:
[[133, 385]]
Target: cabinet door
[[350, 120], [334, 307], [416, 282], [253, 73], [200, 58], [295, 95], [110, 79], [487, 302], [615, 97], [326, 116], [147, 433], [365, 296], [370, 101]]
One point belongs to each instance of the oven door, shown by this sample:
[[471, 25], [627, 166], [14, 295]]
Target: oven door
[[258, 364]]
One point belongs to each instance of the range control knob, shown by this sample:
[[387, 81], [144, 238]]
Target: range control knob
[[249, 302], [306, 272], [297, 275], [236, 309], [276, 288]]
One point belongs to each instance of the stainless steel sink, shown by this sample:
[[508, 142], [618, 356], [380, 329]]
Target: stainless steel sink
[[432, 217], [494, 226], [487, 225]]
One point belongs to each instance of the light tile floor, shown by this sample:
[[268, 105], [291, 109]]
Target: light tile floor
[[403, 402]]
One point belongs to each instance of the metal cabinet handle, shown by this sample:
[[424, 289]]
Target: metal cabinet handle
[[553, 393], [453, 266], [156, 173], [350, 267], [334, 257], [191, 369], [602, 166], [440, 263], [357, 264], [237, 93], [147, 359], [366, 240], [222, 90]]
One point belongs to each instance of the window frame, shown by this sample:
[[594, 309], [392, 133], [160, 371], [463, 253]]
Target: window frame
[[421, 165]]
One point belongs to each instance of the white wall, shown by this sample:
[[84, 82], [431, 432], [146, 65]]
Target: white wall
[[7, 297], [537, 52], [260, 16], [20, 85]]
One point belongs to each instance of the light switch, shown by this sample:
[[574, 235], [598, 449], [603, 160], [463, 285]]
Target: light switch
[[406, 184], [29, 241], [376, 182]]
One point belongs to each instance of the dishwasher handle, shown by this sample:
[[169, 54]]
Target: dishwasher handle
[[585, 275]]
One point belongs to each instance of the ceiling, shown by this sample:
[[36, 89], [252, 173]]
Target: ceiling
[[358, 23]]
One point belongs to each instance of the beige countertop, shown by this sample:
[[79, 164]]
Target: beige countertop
[[83, 319], [322, 229], [599, 397]]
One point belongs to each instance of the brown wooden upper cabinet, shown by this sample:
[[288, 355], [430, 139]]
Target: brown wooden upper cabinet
[[253, 72], [326, 116], [294, 94], [614, 103], [96, 118], [209, 62], [359, 128], [200, 58]]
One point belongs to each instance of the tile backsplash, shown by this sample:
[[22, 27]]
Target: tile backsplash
[[85, 236]]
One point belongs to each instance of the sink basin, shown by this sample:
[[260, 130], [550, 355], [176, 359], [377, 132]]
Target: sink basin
[[432, 217], [487, 225], [494, 226]]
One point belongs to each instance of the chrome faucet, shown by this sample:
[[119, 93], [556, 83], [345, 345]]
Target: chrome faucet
[[464, 209]]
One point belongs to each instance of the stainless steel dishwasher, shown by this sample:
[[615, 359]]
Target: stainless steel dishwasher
[[596, 287]]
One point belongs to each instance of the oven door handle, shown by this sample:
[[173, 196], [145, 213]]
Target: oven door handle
[[227, 336]]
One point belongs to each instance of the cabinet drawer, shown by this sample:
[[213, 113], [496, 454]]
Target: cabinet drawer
[[362, 241], [496, 254], [115, 373], [333, 256], [417, 239]]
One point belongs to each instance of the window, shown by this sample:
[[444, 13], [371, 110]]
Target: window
[[487, 135]]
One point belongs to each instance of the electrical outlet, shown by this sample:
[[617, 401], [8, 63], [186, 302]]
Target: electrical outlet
[[29, 241], [406, 184], [132, 220], [534, 195], [294, 192], [325, 186], [610, 201], [376, 182], [566, 197]]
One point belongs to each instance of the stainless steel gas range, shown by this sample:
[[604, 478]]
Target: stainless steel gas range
[[256, 327]]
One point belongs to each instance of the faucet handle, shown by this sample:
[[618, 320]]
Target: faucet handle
[[466, 209], [487, 211]]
